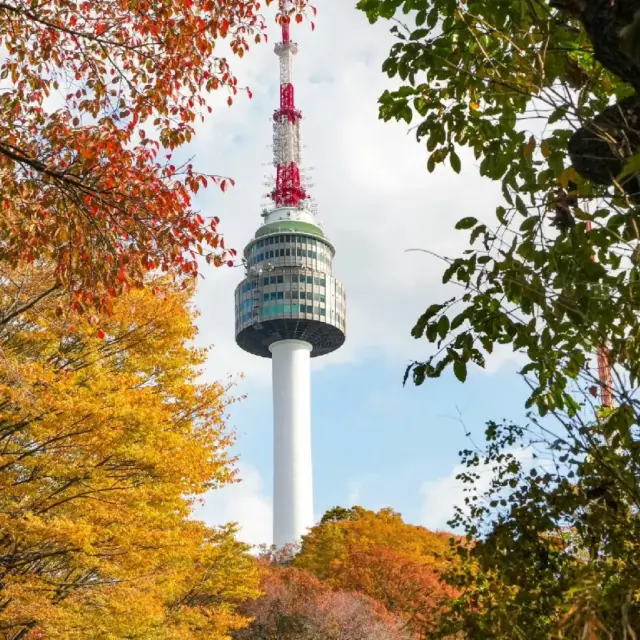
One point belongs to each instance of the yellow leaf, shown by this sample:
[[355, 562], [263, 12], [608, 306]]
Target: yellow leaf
[[529, 148], [544, 148]]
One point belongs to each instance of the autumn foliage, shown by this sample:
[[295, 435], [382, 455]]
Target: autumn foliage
[[296, 605], [96, 98], [101, 441], [379, 555]]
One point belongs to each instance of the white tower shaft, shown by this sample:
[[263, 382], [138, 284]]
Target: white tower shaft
[[293, 481]]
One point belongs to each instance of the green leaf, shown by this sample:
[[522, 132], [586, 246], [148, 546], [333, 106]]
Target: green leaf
[[631, 166], [454, 160], [521, 207], [443, 326], [460, 370], [419, 34], [466, 223]]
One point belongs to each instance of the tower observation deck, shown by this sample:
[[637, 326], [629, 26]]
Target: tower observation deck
[[290, 307]]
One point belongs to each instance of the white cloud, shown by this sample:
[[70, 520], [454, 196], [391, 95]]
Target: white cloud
[[245, 503], [374, 195], [441, 496], [355, 492]]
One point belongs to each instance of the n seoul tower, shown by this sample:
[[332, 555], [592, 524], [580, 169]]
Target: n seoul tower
[[289, 307]]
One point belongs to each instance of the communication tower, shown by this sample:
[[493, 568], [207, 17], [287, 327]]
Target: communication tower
[[290, 307]]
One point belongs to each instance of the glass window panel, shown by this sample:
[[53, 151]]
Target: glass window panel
[[272, 280], [280, 279], [295, 308], [265, 297], [288, 252], [309, 279], [323, 312], [265, 281], [280, 295], [309, 309], [323, 282], [303, 295]]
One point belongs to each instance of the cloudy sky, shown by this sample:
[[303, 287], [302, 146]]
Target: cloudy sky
[[375, 443]]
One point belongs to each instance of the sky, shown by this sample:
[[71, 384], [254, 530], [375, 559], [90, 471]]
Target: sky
[[375, 442]]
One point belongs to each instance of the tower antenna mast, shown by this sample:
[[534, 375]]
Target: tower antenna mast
[[288, 191]]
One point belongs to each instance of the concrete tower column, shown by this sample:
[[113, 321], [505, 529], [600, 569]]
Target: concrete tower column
[[292, 472]]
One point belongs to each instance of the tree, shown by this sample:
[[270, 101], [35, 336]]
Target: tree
[[337, 514], [105, 442], [377, 554], [97, 96], [545, 94], [296, 605]]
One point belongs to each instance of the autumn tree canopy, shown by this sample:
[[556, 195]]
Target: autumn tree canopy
[[295, 605], [378, 554], [95, 98], [543, 96], [105, 443]]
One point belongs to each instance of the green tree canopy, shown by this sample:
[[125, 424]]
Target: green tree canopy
[[544, 95]]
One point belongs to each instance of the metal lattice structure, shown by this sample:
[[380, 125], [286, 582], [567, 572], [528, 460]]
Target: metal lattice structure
[[288, 191]]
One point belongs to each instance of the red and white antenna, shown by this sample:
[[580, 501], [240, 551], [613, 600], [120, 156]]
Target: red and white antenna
[[289, 191], [605, 378]]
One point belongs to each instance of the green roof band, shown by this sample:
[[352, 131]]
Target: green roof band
[[286, 226]]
